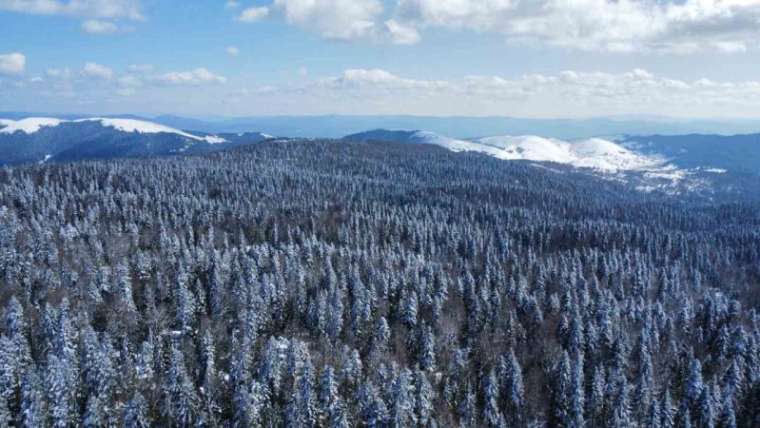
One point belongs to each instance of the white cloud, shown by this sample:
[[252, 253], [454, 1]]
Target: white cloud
[[199, 76], [58, 73], [125, 91], [253, 14], [141, 68], [96, 26], [98, 71], [112, 9], [333, 19], [671, 26], [564, 94], [571, 93], [130, 81], [12, 63], [132, 88], [683, 26], [730, 47], [137, 76], [377, 79], [232, 51], [402, 34]]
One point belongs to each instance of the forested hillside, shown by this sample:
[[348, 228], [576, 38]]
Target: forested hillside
[[338, 284]]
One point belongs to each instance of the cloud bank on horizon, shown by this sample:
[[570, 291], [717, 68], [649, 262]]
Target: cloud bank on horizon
[[609, 25], [543, 58]]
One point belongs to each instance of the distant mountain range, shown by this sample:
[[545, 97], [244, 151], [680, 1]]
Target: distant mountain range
[[712, 153], [38, 139], [736, 153], [336, 126], [668, 163], [711, 166], [593, 153]]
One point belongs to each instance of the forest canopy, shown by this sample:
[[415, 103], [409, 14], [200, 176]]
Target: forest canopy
[[334, 284]]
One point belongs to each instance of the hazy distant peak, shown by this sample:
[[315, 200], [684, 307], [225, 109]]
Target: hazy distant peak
[[27, 126], [593, 153]]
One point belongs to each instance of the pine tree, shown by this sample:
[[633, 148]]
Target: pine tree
[[6, 418], [329, 396], [186, 302], [577, 394], [424, 396], [667, 411], [596, 401], [124, 287], [515, 390], [492, 416], [34, 411], [305, 396], [705, 409], [427, 348], [94, 415], [352, 368], [335, 313], [180, 399], [685, 420], [562, 392], [409, 308], [402, 402], [644, 384], [653, 419], [248, 404], [15, 323], [61, 387], [210, 382], [10, 372], [694, 385], [144, 364], [136, 413], [381, 335], [373, 410], [620, 411], [466, 410], [728, 417]]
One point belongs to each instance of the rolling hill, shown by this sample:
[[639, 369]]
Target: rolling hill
[[39, 139]]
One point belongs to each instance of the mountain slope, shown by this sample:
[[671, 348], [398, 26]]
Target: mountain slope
[[593, 153], [737, 153], [51, 139], [700, 169], [336, 126], [28, 125]]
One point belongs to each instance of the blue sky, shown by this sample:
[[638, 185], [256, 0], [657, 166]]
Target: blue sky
[[543, 58]]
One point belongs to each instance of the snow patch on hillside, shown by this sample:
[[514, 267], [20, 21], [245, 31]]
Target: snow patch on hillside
[[143, 127], [27, 126], [453, 144], [34, 124], [213, 139], [603, 158], [132, 125], [594, 153], [715, 170]]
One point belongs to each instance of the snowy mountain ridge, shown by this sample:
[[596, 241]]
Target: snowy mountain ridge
[[32, 125], [47, 139], [27, 126], [645, 171], [594, 153]]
